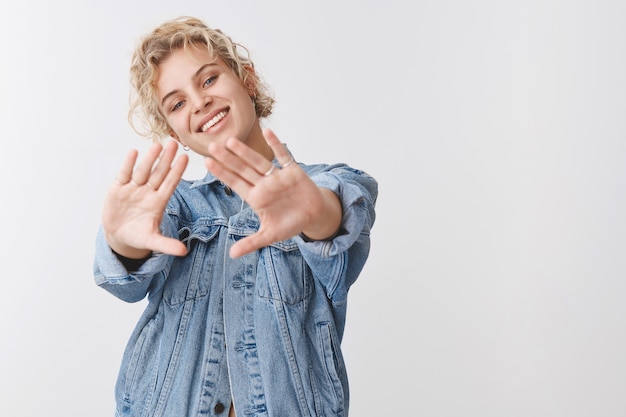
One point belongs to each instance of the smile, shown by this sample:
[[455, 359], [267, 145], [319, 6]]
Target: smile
[[213, 121]]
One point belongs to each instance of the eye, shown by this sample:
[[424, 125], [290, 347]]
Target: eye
[[177, 105], [209, 81]]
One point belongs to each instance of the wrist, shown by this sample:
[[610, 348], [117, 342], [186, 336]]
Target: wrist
[[325, 225], [126, 251]]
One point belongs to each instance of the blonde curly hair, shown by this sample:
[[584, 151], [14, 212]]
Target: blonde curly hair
[[183, 32]]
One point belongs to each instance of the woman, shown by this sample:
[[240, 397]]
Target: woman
[[246, 270]]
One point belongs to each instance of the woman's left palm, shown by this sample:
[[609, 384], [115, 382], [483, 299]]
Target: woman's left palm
[[285, 198]]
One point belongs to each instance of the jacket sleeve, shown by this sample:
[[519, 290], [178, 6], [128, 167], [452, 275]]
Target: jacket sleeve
[[337, 263], [131, 286]]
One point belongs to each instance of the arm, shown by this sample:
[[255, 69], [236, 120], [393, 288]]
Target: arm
[[133, 226], [286, 200], [328, 211], [325, 222], [134, 205], [337, 262]]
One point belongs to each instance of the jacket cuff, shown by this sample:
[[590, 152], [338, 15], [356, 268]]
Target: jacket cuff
[[353, 221]]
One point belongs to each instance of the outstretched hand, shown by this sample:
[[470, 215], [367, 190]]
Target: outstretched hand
[[286, 200], [134, 204]]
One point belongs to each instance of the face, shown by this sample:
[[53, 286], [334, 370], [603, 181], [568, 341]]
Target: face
[[204, 101]]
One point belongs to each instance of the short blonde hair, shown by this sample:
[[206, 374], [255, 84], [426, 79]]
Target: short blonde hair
[[153, 49]]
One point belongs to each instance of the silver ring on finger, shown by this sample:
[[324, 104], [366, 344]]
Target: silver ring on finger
[[269, 171], [286, 164]]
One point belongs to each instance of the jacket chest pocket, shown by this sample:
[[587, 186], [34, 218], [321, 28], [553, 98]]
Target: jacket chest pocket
[[283, 275], [190, 276]]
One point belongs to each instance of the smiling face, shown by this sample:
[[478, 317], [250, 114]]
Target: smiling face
[[203, 101]]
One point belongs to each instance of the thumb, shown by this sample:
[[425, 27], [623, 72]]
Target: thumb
[[168, 246], [247, 245]]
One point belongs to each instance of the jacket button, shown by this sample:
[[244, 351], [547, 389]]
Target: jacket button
[[219, 408], [228, 191]]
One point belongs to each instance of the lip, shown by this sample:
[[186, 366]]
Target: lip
[[210, 116]]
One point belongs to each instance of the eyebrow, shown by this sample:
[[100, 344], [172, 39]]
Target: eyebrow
[[196, 75]]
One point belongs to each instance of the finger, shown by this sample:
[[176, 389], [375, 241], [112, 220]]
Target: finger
[[230, 155], [163, 165], [281, 153], [248, 245], [231, 179], [143, 170], [125, 173], [261, 165], [167, 245], [173, 176]]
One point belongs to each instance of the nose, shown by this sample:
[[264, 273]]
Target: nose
[[200, 100]]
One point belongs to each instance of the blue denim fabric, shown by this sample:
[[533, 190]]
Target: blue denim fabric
[[264, 329]]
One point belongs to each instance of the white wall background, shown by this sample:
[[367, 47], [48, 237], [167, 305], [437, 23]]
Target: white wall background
[[496, 129]]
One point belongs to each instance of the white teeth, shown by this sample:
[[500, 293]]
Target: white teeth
[[214, 120]]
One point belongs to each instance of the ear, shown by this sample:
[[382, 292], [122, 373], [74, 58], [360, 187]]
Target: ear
[[250, 80], [174, 136]]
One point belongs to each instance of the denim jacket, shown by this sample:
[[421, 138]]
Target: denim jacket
[[263, 330]]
